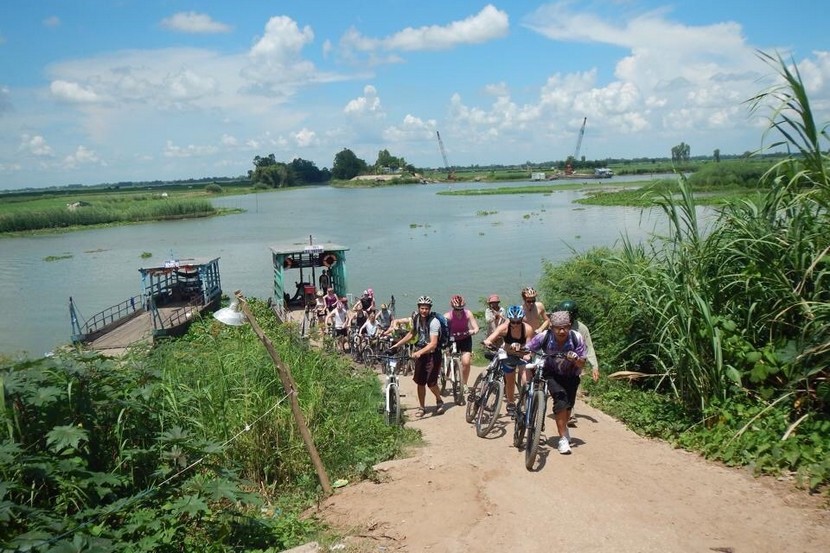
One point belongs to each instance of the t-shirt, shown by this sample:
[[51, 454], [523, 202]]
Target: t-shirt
[[425, 333], [559, 365]]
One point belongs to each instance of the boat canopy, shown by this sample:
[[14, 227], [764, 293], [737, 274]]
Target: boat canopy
[[320, 266]]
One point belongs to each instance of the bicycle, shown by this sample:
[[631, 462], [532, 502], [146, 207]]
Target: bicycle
[[391, 389], [451, 372], [484, 401], [531, 409]]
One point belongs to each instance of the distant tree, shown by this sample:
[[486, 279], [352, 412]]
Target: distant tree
[[272, 173], [717, 155], [347, 165], [385, 159], [306, 172], [680, 152]]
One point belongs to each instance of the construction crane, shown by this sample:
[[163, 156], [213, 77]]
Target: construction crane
[[450, 172], [569, 168]]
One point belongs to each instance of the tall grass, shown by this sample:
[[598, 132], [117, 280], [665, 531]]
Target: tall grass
[[744, 308], [105, 212]]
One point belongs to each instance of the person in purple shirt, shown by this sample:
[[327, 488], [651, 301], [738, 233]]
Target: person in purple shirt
[[562, 371]]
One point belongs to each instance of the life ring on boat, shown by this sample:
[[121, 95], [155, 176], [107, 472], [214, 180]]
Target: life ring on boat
[[288, 263], [329, 259]]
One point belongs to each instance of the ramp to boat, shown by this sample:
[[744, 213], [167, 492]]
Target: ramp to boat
[[138, 330]]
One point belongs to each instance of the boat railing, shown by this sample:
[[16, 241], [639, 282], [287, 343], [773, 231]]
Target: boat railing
[[177, 316], [104, 320]]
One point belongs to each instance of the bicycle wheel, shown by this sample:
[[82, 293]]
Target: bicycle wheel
[[488, 409], [457, 385], [369, 358], [534, 428], [442, 374], [393, 405], [475, 393], [519, 426]]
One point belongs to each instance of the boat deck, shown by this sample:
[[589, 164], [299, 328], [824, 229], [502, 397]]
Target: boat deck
[[136, 331]]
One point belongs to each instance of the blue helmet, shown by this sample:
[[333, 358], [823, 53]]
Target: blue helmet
[[515, 312]]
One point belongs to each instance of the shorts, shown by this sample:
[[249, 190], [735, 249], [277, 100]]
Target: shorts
[[562, 388], [464, 345], [427, 368], [341, 331], [508, 366]]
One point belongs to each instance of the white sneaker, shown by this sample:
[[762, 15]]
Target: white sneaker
[[564, 446], [568, 436]]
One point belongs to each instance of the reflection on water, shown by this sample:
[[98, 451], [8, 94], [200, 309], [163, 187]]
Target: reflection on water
[[404, 240]]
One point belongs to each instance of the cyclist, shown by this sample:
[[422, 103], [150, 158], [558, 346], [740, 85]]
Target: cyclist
[[320, 308], [384, 318], [571, 307], [494, 314], [463, 325], [426, 353], [515, 332], [561, 372], [534, 310], [370, 327], [340, 317], [331, 300]]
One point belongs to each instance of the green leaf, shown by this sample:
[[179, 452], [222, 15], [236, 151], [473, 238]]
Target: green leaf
[[189, 505], [61, 437]]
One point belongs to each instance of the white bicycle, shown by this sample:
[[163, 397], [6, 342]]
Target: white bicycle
[[391, 389]]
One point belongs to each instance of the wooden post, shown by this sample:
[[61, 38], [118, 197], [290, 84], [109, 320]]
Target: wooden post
[[291, 389]]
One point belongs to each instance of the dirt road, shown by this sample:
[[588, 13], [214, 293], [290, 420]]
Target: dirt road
[[617, 492]]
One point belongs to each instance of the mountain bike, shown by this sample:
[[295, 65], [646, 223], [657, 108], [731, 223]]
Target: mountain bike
[[484, 401], [530, 410], [451, 372], [391, 388]]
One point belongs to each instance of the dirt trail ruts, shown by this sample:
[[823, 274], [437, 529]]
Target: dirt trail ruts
[[617, 492]]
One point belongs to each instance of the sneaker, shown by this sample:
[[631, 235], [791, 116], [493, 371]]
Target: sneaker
[[511, 409], [564, 446], [568, 437], [572, 421]]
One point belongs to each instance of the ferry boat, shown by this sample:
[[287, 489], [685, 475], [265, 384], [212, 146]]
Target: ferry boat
[[174, 294]]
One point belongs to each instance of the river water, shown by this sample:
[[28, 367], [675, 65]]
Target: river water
[[403, 240]]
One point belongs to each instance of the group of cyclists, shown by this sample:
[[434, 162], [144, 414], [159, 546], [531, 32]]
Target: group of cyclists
[[521, 330]]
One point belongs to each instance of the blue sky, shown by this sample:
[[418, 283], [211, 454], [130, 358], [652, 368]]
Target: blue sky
[[127, 90]]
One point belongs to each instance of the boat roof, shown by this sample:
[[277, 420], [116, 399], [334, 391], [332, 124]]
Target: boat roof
[[284, 248], [181, 262]]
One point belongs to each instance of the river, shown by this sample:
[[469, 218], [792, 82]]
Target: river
[[403, 240]]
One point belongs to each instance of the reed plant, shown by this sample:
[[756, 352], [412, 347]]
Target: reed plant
[[105, 212], [733, 320]]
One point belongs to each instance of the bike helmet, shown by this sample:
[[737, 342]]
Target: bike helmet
[[528, 292], [515, 312], [425, 300], [457, 302], [571, 307]]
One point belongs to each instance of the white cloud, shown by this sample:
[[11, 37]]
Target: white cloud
[[82, 156], [35, 145], [305, 138], [52, 21], [488, 24], [191, 150], [193, 22], [5, 99], [283, 40], [366, 105], [73, 92], [228, 140]]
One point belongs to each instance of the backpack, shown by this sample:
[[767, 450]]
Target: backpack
[[443, 333]]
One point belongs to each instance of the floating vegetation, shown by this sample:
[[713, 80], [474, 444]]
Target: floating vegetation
[[484, 213], [145, 255], [57, 257]]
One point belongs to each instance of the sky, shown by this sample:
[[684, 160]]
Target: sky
[[95, 91]]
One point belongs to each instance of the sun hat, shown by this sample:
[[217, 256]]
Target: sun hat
[[494, 298]]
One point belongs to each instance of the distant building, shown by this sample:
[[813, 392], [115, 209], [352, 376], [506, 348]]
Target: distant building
[[537, 175]]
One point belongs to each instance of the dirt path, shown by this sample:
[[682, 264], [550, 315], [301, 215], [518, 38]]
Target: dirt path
[[617, 492]]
